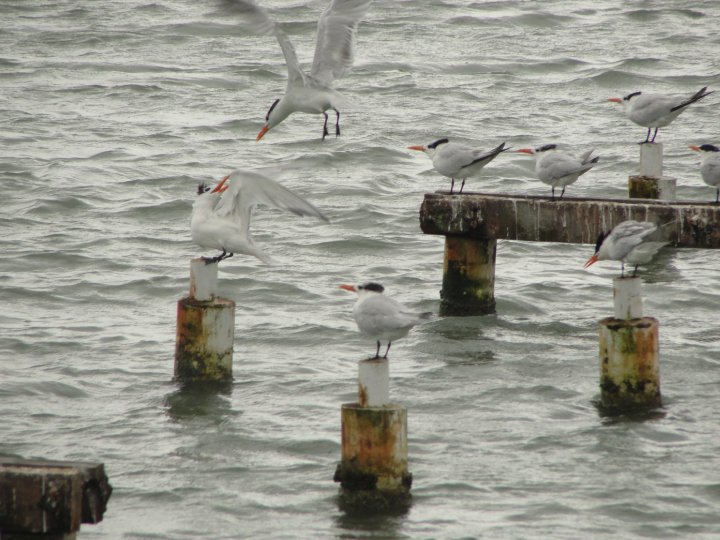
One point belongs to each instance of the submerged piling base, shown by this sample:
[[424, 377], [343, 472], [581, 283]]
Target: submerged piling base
[[468, 276], [373, 471], [629, 367]]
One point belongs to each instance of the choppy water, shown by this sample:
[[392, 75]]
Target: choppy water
[[112, 111]]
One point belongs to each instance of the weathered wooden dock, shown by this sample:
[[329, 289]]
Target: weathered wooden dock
[[50, 499], [473, 222]]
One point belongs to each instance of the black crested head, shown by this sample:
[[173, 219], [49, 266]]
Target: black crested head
[[546, 148], [267, 116], [202, 188], [376, 287], [709, 148], [438, 143], [632, 95], [600, 239]]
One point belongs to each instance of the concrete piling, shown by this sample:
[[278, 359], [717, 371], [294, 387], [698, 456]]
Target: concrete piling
[[629, 365], [373, 469], [629, 352], [650, 182], [468, 286], [205, 328]]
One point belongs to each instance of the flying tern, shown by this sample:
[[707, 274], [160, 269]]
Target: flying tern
[[558, 169], [334, 55], [221, 215], [628, 243], [710, 166], [656, 110], [456, 160], [382, 318]]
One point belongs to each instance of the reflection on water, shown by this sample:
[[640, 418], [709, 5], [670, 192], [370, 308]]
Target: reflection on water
[[209, 399]]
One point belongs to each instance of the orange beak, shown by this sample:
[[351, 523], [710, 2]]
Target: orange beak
[[418, 148], [590, 261], [221, 186], [525, 151], [350, 288], [262, 133], [616, 100], [693, 147]]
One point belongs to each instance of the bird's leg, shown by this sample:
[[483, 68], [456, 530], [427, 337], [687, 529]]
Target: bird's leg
[[377, 352], [635, 271], [622, 269], [647, 138], [388, 349], [462, 185], [552, 197], [337, 123], [211, 260], [717, 196], [325, 131], [562, 192], [452, 185], [654, 134]]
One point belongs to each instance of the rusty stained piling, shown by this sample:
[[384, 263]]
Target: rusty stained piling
[[468, 286], [650, 183], [629, 366], [373, 469], [50, 499], [205, 328], [629, 370]]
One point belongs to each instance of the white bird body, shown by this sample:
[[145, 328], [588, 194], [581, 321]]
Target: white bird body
[[628, 242], [380, 317], [656, 110], [558, 169], [456, 160], [710, 166], [221, 217], [334, 56]]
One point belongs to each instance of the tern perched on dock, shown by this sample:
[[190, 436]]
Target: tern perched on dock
[[380, 317], [656, 110], [628, 243], [710, 166], [221, 215], [334, 55], [456, 160], [558, 169]]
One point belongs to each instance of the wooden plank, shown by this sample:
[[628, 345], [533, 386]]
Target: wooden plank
[[48, 497], [571, 220]]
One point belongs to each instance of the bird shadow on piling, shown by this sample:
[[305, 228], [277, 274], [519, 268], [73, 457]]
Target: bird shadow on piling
[[210, 399]]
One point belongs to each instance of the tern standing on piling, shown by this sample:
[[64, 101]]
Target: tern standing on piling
[[656, 110], [380, 317], [628, 243], [710, 166], [221, 215], [334, 55], [456, 160], [558, 169]]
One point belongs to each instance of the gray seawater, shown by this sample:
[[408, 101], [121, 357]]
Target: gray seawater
[[113, 111]]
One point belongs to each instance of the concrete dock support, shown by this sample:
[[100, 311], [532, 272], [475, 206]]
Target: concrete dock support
[[650, 182], [205, 328], [629, 356], [468, 286], [373, 470], [50, 499]]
